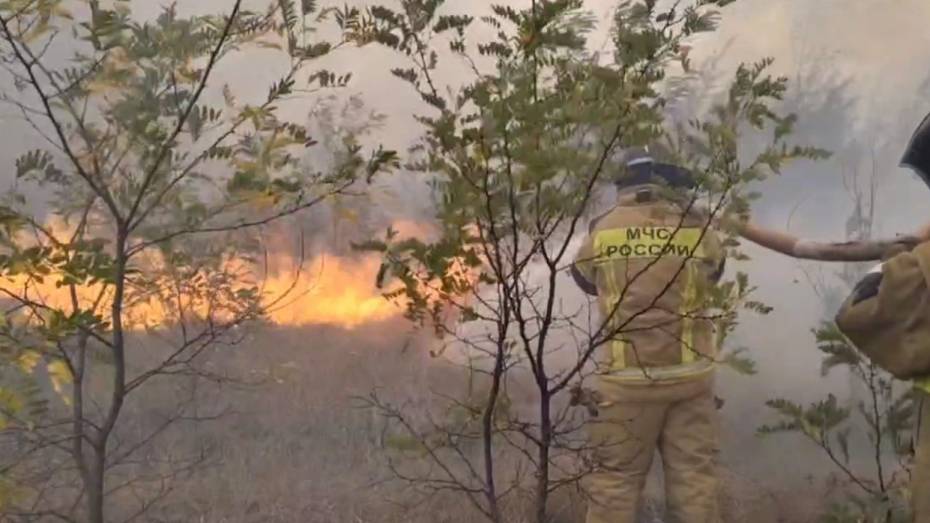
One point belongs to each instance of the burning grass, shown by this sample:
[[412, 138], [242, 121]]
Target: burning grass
[[324, 290], [274, 434]]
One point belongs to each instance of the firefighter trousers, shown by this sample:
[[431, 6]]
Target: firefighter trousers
[[623, 439], [920, 476]]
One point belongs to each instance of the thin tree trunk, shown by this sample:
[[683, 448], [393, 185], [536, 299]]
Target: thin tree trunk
[[78, 427], [94, 484], [545, 444], [97, 467], [488, 435]]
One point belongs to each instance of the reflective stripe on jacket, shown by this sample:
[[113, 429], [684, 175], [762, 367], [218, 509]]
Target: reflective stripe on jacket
[[651, 266], [923, 384]]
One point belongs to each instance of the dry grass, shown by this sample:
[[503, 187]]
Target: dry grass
[[297, 450]]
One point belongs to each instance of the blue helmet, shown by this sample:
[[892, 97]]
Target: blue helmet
[[642, 169]]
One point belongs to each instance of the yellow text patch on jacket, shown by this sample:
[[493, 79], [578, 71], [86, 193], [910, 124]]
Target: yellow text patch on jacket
[[648, 242]]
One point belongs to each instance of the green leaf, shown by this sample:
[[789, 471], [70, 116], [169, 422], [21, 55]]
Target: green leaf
[[28, 360], [40, 165], [740, 364], [60, 375]]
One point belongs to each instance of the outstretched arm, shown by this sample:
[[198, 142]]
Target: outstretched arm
[[855, 251]]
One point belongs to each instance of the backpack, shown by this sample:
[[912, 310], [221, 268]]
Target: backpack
[[887, 315]]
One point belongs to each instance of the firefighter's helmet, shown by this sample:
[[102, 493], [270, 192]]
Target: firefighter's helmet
[[641, 168]]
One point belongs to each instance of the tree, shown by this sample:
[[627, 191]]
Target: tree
[[155, 178], [518, 159]]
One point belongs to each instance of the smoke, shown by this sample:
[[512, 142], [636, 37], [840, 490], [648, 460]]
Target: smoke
[[859, 87], [859, 83]]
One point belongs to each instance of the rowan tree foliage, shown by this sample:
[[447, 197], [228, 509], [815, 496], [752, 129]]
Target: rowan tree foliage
[[519, 158], [135, 215]]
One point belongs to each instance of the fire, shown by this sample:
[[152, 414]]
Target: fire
[[332, 290], [340, 292], [37, 296], [335, 290]]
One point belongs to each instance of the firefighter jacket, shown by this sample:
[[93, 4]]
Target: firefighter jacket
[[651, 262]]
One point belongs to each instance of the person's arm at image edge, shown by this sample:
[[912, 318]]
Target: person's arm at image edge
[[849, 251]]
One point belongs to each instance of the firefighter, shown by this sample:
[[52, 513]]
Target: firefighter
[[886, 326], [650, 261]]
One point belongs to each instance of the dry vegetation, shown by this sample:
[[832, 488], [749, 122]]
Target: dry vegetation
[[272, 429], [284, 439]]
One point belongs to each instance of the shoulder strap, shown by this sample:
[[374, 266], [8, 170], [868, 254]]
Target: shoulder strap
[[592, 225]]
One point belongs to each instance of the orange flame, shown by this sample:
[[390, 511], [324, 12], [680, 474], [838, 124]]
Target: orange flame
[[336, 291], [330, 290]]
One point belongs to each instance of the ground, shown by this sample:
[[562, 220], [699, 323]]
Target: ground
[[297, 449]]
